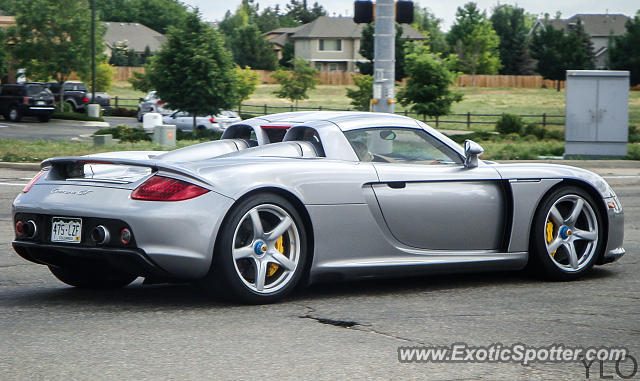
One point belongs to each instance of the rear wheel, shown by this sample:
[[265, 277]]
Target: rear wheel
[[103, 278], [567, 234], [14, 114], [261, 253]]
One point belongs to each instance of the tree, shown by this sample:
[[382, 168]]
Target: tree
[[140, 81], [269, 19], [427, 23], [557, 51], [288, 54], [428, 80], [247, 82], [4, 56], [361, 97], [53, 38], [624, 53], [251, 48], [193, 71], [295, 83], [104, 77], [158, 15], [512, 25], [300, 12], [475, 42], [366, 51]]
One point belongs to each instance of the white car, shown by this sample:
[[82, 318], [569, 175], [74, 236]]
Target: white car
[[184, 121], [151, 103]]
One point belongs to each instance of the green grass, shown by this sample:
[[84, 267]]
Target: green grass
[[38, 150]]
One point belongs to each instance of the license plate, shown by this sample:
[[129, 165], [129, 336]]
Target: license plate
[[39, 103], [68, 230]]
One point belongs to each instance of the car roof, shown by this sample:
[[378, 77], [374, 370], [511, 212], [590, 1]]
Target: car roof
[[345, 120]]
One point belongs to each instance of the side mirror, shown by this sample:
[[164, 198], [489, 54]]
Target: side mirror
[[141, 99], [471, 152]]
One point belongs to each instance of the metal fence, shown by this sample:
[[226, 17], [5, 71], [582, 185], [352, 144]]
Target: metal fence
[[465, 120]]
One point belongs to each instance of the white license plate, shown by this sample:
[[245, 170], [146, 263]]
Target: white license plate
[[68, 230], [39, 103]]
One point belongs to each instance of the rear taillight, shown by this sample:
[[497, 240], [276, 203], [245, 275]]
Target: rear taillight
[[212, 120], [33, 181], [25, 99], [160, 103], [85, 100], [160, 188]]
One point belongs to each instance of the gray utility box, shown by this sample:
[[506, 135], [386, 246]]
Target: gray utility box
[[597, 113], [165, 135]]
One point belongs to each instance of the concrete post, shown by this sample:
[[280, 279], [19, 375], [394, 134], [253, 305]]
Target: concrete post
[[384, 56]]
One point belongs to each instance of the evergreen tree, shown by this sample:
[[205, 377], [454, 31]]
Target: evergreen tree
[[624, 53]]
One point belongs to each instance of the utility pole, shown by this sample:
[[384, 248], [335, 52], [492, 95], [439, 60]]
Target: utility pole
[[93, 51], [384, 56]]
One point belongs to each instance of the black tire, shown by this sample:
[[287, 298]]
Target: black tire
[[224, 278], [139, 115], [550, 265], [44, 118], [14, 114], [96, 279]]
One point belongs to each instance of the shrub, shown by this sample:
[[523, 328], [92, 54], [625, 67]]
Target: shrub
[[634, 134], [121, 111], [510, 124], [533, 129], [202, 135], [70, 115], [125, 133]]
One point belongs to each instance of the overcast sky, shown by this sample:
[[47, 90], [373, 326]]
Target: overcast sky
[[214, 10]]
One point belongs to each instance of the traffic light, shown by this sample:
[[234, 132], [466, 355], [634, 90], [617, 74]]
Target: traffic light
[[363, 11], [404, 12]]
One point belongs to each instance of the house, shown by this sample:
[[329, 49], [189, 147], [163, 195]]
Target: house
[[601, 27], [329, 43], [135, 36]]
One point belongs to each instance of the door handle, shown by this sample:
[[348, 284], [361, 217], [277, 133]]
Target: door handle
[[397, 184]]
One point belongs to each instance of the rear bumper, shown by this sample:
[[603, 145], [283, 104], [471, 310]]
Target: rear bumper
[[177, 237], [134, 261], [36, 110]]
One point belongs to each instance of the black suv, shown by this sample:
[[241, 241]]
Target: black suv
[[26, 99]]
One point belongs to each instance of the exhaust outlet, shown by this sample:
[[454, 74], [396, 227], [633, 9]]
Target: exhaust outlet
[[100, 235]]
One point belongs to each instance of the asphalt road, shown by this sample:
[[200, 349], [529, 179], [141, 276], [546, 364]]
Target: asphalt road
[[56, 129], [53, 332]]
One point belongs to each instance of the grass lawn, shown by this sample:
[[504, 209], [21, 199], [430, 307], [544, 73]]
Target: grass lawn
[[476, 101]]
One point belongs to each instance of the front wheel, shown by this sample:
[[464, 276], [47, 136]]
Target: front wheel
[[567, 236], [261, 252], [103, 278]]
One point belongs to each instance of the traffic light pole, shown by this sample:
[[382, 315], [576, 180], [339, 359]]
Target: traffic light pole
[[384, 56]]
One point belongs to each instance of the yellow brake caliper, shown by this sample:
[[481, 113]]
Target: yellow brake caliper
[[272, 266], [550, 235]]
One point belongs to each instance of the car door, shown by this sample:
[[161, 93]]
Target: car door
[[429, 199]]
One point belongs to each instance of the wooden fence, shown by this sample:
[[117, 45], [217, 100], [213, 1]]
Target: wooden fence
[[122, 73]]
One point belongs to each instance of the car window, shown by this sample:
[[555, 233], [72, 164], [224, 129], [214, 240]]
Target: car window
[[34, 89], [400, 145]]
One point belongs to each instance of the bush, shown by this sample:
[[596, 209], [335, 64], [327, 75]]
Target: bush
[[202, 135], [634, 134], [66, 108], [510, 124], [121, 111], [533, 129], [633, 152], [125, 133]]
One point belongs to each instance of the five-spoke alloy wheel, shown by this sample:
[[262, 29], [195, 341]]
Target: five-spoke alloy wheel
[[260, 254], [566, 236]]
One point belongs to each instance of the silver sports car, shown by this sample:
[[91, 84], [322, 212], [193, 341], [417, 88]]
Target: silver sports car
[[296, 198]]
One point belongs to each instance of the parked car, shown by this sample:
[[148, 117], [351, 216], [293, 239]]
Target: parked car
[[184, 121], [78, 96], [26, 99], [151, 103], [345, 195], [75, 94]]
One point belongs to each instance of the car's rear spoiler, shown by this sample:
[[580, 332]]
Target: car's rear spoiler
[[73, 166]]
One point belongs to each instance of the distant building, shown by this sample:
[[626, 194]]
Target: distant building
[[601, 27], [329, 43], [135, 36]]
